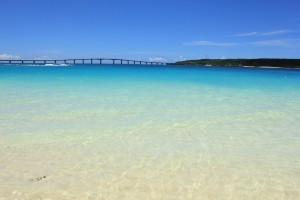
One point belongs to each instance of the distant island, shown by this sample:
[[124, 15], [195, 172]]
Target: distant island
[[261, 62]]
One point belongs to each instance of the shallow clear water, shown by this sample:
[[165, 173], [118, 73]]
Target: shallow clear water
[[137, 132]]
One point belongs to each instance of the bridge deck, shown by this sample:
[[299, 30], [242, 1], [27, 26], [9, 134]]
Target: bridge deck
[[80, 61]]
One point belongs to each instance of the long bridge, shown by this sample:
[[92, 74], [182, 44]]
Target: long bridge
[[80, 61]]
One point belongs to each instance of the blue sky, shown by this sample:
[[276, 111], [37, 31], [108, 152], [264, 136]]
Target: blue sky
[[161, 30]]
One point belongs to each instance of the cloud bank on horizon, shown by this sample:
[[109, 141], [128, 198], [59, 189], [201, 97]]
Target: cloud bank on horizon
[[9, 57]]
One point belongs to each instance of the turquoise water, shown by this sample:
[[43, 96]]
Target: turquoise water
[[141, 132]]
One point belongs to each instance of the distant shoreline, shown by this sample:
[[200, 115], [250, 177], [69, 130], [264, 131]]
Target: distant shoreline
[[238, 66], [251, 63]]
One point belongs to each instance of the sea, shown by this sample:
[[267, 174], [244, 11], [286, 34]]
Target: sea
[[149, 132]]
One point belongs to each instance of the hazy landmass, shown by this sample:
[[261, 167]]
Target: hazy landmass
[[285, 63]]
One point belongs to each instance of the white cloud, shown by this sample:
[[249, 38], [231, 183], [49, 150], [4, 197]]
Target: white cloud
[[209, 43], [157, 59], [41, 58], [245, 34], [276, 32], [269, 33], [179, 58], [287, 43], [9, 57], [277, 43]]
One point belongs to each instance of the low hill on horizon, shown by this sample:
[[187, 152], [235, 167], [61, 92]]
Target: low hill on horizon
[[260, 62]]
